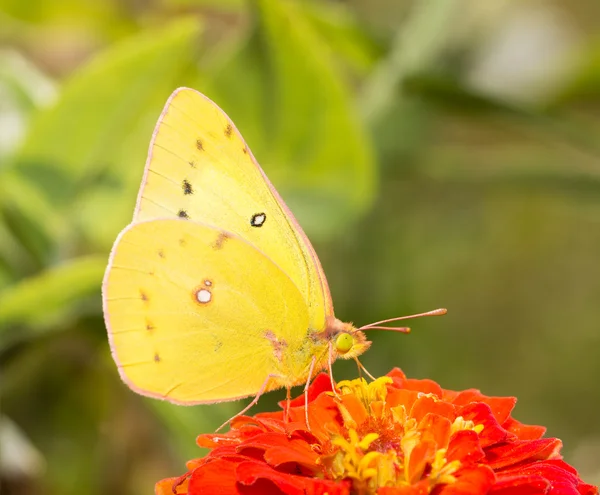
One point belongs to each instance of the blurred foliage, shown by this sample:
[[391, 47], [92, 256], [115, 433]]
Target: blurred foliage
[[440, 153]]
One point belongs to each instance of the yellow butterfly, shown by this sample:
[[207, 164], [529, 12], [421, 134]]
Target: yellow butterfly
[[213, 292]]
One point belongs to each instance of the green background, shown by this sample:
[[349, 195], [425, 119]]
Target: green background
[[438, 153]]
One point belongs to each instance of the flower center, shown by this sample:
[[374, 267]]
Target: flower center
[[382, 444]]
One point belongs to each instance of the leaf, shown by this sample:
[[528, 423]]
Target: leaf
[[555, 127], [298, 116], [104, 117], [57, 290], [343, 33], [418, 45], [31, 218], [583, 84]]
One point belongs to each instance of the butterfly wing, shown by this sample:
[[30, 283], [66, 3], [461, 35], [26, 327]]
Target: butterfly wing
[[199, 168], [195, 314]]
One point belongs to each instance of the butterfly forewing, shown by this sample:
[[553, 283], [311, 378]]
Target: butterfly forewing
[[200, 169]]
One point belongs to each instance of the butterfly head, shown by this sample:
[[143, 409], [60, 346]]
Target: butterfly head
[[347, 341]]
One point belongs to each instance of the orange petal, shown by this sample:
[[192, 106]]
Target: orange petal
[[419, 457], [435, 428], [170, 486], [425, 404]]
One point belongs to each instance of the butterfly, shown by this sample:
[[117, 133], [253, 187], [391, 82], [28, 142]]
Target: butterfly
[[214, 293]]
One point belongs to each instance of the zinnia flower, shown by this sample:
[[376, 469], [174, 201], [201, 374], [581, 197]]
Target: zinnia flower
[[394, 436]]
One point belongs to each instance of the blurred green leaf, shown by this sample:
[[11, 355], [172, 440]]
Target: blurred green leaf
[[56, 290], [584, 83], [343, 34], [31, 218], [553, 126], [81, 135], [298, 116], [418, 45], [96, 135]]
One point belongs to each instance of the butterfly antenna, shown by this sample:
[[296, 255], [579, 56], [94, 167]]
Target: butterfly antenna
[[378, 325]]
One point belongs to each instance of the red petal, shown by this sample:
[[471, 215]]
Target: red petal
[[269, 481], [216, 476], [470, 481], [563, 478], [323, 416], [321, 383], [524, 432], [510, 453], [241, 428], [464, 447], [585, 489], [501, 407], [279, 449], [229, 451], [397, 373], [481, 414], [521, 485], [214, 440]]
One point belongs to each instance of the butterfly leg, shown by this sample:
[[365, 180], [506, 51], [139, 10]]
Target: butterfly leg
[[361, 367], [288, 398], [331, 371], [310, 372], [253, 403]]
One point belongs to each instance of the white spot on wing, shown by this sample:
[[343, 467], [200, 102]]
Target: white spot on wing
[[203, 296], [258, 220]]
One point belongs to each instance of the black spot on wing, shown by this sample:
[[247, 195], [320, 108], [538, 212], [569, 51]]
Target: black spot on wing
[[228, 130], [182, 214], [187, 187], [199, 145]]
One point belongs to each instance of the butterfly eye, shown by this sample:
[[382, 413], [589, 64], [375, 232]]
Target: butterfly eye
[[343, 343]]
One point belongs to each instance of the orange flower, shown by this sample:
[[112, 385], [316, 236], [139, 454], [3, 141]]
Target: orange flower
[[394, 436]]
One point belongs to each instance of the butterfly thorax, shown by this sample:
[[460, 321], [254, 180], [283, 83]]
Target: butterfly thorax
[[294, 358]]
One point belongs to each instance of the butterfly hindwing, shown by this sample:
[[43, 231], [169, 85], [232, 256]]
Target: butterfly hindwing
[[197, 315]]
